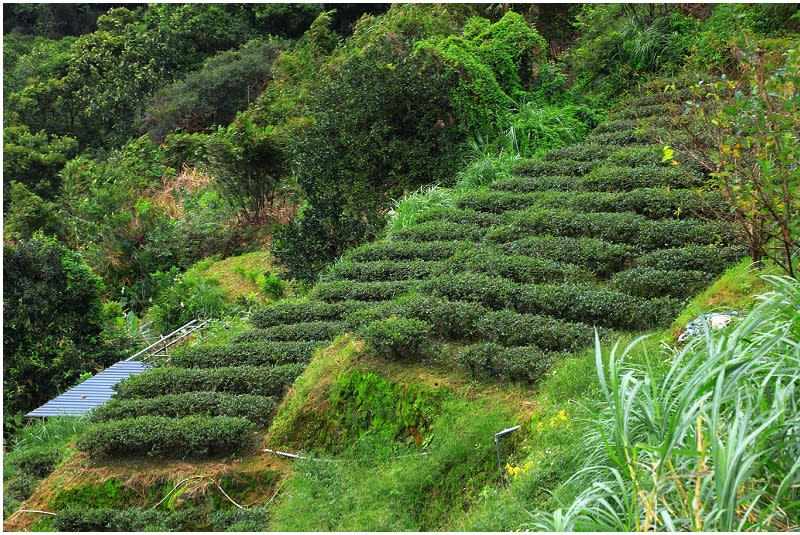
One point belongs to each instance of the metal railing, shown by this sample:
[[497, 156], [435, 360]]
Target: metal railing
[[171, 339]]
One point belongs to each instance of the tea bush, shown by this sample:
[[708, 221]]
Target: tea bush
[[581, 152], [257, 409], [458, 216], [362, 291], [511, 363], [519, 268], [383, 270], [621, 137], [87, 519], [601, 257], [259, 381], [509, 328], [38, 461], [533, 168], [397, 249], [254, 353], [520, 184], [294, 332], [398, 338], [440, 231], [190, 437], [649, 282], [288, 312], [709, 258]]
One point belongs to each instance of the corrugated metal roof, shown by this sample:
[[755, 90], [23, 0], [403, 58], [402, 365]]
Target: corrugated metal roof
[[94, 391]]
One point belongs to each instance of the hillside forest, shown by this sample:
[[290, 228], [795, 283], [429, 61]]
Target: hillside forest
[[482, 267]]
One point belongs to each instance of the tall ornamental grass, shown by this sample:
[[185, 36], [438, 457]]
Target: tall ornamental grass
[[708, 442]]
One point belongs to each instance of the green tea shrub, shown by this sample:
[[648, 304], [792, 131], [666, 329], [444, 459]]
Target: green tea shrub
[[620, 227], [615, 124], [521, 184], [667, 233], [399, 250], [84, 519], [383, 270], [509, 328], [21, 487], [519, 268], [288, 312], [259, 381], [496, 202], [376, 311], [344, 290], [491, 292], [534, 168], [601, 257], [190, 437], [582, 152], [709, 258], [254, 353], [510, 363], [638, 110], [459, 216], [38, 461], [398, 338], [603, 307], [311, 331], [621, 137], [618, 178], [652, 203], [649, 282], [252, 519], [647, 155], [451, 320], [440, 231], [257, 409]]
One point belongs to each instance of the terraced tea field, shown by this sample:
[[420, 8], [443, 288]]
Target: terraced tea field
[[597, 235]]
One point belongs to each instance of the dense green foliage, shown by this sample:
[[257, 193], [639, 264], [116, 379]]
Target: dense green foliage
[[53, 326], [193, 436]]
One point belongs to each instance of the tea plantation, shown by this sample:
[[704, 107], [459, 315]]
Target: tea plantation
[[599, 235]]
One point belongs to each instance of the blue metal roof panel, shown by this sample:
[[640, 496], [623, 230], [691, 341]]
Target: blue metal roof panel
[[91, 393]]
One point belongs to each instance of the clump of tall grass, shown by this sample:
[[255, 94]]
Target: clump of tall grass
[[407, 209], [710, 444]]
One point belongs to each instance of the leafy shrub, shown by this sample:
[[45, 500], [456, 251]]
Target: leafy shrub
[[190, 437], [621, 137], [495, 201], [509, 363], [383, 270], [271, 285], [666, 233], [616, 124], [459, 216], [509, 328], [518, 268], [234, 519], [649, 282], [534, 168], [38, 461], [257, 409], [440, 231], [491, 292], [601, 257], [398, 338], [522, 184], [581, 152], [362, 291], [653, 203], [21, 487], [614, 227], [709, 258], [377, 311], [573, 302], [287, 312], [648, 155], [259, 381], [620, 227], [398, 250], [82, 519], [294, 332], [257, 353], [602, 307], [190, 296]]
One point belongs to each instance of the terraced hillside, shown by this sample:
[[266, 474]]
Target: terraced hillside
[[597, 235]]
